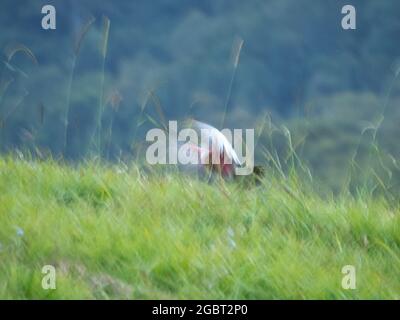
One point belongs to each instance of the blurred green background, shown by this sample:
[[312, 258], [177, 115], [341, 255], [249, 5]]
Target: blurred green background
[[334, 90]]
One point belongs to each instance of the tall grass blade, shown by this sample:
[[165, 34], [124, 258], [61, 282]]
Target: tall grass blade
[[76, 48], [104, 46], [12, 49], [235, 56]]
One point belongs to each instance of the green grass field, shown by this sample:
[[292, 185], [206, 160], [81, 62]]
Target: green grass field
[[112, 232]]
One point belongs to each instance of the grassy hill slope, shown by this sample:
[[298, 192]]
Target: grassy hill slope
[[112, 232]]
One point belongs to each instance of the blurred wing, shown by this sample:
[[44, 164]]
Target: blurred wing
[[219, 142]]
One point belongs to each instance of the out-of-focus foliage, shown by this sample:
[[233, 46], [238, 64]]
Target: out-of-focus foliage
[[327, 85]]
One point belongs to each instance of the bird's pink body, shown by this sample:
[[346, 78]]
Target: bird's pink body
[[206, 156]]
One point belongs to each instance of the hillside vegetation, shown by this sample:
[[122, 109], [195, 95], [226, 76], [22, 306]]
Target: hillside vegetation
[[115, 232]]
